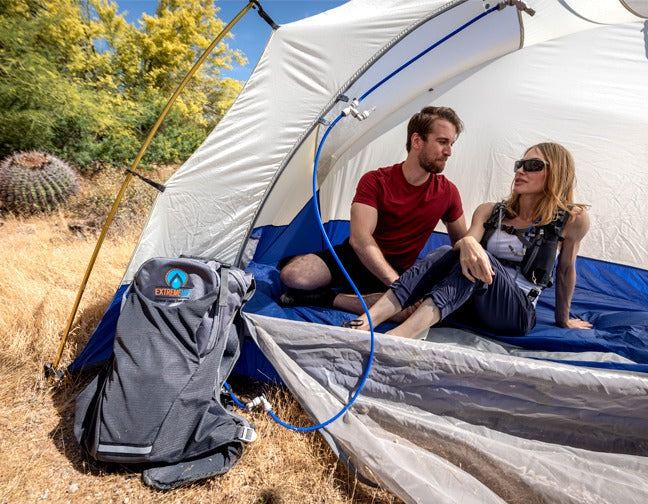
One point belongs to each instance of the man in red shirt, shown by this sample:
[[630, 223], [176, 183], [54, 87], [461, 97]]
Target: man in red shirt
[[394, 211]]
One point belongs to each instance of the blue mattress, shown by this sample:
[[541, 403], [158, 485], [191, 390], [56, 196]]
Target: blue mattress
[[620, 324]]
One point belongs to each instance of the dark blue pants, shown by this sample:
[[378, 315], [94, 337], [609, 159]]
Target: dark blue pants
[[501, 307]]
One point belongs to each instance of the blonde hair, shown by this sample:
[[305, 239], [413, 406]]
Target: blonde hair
[[558, 187]]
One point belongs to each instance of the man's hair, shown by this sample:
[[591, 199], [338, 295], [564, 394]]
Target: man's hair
[[422, 122]]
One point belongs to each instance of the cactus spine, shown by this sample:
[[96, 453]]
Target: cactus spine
[[35, 182]]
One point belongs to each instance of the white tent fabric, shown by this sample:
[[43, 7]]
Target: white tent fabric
[[440, 422], [444, 423], [255, 167]]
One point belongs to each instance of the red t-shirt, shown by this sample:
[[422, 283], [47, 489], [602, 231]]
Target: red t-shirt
[[407, 214]]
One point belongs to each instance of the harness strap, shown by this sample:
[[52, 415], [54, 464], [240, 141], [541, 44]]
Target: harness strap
[[535, 266]]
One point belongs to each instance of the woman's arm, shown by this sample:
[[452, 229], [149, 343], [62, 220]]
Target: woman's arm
[[474, 261], [575, 230]]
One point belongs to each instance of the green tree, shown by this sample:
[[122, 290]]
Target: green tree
[[38, 95], [77, 80]]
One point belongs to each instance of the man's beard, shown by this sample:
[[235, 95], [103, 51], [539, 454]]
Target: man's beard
[[431, 165]]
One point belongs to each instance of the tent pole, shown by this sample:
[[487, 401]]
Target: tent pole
[[51, 370]]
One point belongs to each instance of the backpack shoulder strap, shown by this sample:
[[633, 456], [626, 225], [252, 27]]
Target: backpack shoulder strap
[[224, 285], [493, 222], [559, 223]]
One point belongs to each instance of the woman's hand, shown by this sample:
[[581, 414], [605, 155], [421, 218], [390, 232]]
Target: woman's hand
[[577, 324], [475, 263]]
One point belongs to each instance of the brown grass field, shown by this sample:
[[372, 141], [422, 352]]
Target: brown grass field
[[43, 261]]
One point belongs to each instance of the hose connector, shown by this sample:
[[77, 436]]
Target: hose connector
[[352, 110], [259, 400], [519, 4]]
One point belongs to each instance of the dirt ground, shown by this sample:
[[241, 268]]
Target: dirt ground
[[43, 262]]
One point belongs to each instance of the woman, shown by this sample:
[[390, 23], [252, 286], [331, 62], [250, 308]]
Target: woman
[[496, 272]]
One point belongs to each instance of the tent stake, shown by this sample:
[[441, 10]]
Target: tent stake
[[51, 370]]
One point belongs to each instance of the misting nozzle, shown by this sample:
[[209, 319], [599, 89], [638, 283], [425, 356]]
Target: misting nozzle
[[352, 110]]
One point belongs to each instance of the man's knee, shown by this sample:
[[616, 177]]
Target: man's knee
[[305, 272], [289, 274]]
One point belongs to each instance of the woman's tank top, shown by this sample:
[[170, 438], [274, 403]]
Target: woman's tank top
[[509, 247]]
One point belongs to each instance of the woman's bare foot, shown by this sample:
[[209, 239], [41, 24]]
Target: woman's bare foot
[[386, 308], [425, 315]]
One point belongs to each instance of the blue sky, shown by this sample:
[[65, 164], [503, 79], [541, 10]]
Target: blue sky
[[251, 32]]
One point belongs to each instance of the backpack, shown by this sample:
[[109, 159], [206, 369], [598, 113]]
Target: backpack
[[158, 400]]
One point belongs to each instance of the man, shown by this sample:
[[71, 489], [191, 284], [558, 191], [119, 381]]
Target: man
[[394, 211]]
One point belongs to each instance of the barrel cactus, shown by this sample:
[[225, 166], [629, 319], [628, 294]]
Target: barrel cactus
[[35, 182]]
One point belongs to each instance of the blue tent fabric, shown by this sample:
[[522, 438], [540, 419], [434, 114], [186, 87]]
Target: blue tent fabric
[[302, 236], [100, 346]]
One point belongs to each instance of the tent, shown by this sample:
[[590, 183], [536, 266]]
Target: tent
[[555, 416]]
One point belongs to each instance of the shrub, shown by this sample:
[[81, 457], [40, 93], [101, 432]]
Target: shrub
[[91, 206], [34, 182]]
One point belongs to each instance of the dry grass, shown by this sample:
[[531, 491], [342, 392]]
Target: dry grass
[[42, 265]]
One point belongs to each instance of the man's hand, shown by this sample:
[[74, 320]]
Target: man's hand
[[475, 263]]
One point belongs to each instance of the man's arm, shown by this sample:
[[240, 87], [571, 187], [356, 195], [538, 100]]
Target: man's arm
[[474, 261], [364, 219], [456, 229], [575, 230]]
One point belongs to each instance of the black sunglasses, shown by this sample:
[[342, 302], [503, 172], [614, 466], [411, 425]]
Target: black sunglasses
[[530, 165]]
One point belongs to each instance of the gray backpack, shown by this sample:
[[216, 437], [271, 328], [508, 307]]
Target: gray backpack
[[158, 401]]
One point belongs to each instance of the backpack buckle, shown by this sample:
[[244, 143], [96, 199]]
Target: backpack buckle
[[246, 434]]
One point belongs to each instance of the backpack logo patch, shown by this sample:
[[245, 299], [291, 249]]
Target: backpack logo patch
[[175, 279]]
